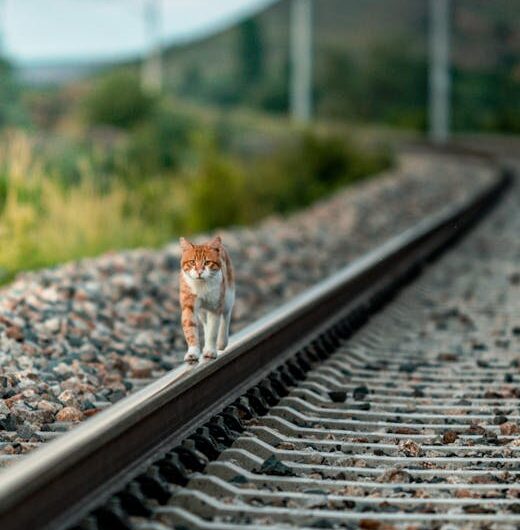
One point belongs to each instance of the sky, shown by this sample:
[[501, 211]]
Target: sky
[[41, 30]]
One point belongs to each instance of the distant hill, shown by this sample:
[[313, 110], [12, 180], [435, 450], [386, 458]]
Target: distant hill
[[370, 62], [218, 66], [45, 73]]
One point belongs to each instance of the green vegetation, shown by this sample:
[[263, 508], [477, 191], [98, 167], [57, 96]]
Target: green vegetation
[[495, 93], [390, 86], [11, 111], [308, 168], [141, 172], [251, 52], [118, 101]]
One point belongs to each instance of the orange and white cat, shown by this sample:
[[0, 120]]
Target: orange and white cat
[[207, 296]]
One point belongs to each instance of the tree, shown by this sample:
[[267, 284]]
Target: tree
[[118, 100], [251, 52]]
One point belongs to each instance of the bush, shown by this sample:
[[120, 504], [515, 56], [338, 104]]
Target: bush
[[223, 192], [43, 222], [118, 100], [52, 212], [161, 143], [217, 193], [312, 168]]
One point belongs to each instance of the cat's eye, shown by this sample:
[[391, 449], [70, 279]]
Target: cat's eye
[[191, 263]]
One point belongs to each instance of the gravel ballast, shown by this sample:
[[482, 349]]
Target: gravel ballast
[[76, 338]]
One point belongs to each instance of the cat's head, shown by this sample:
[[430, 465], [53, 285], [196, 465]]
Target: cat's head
[[201, 262]]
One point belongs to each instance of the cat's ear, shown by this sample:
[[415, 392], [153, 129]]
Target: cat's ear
[[185, 244], [215, 243]]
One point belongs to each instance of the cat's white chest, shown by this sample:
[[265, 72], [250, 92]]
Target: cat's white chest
[[208, 292]]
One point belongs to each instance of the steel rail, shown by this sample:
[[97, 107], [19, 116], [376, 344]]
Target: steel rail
[[55, 485]]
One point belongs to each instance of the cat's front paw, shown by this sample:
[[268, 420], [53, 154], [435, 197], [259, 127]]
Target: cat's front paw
[[222, 345], [210, 354], [192, 355]]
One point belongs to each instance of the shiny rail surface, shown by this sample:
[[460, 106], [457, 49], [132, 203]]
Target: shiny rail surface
[[195, 411]]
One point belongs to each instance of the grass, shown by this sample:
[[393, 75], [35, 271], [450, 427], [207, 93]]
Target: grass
[[43, 222], [62, 200]]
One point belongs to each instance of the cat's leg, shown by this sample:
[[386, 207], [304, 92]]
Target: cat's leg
[[202, 325], [210, 335], [225, 320], [223, 330], [191, 333]]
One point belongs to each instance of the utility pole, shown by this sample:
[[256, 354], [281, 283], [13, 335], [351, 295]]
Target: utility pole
[[301, 60], [152, 71], [439, 82]]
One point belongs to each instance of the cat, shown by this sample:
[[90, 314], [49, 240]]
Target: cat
[[207, 295]]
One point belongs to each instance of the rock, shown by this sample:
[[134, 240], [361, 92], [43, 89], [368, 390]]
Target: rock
[[482, 479], [410, 448], [395, 475], [491, 394], [47, 406], [449, 437], [52, 325], [337, 396], [465, 493], [476, 509], [476, 429], [144, 339], [360, 393], [69, 414], [273, 466], [500, 419], [69, 398], [447, 357], [91, 412], [370, 524], [140, 368], [15, 333], [4, 409], [509, 428], [26, 431], [8, 423], [404, 430], [322, 523], [116, 395]]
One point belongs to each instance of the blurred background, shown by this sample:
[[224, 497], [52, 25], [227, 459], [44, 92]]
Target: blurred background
[[125, 123]]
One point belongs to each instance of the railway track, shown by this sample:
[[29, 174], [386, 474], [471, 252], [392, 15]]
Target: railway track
[[317, 417]]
